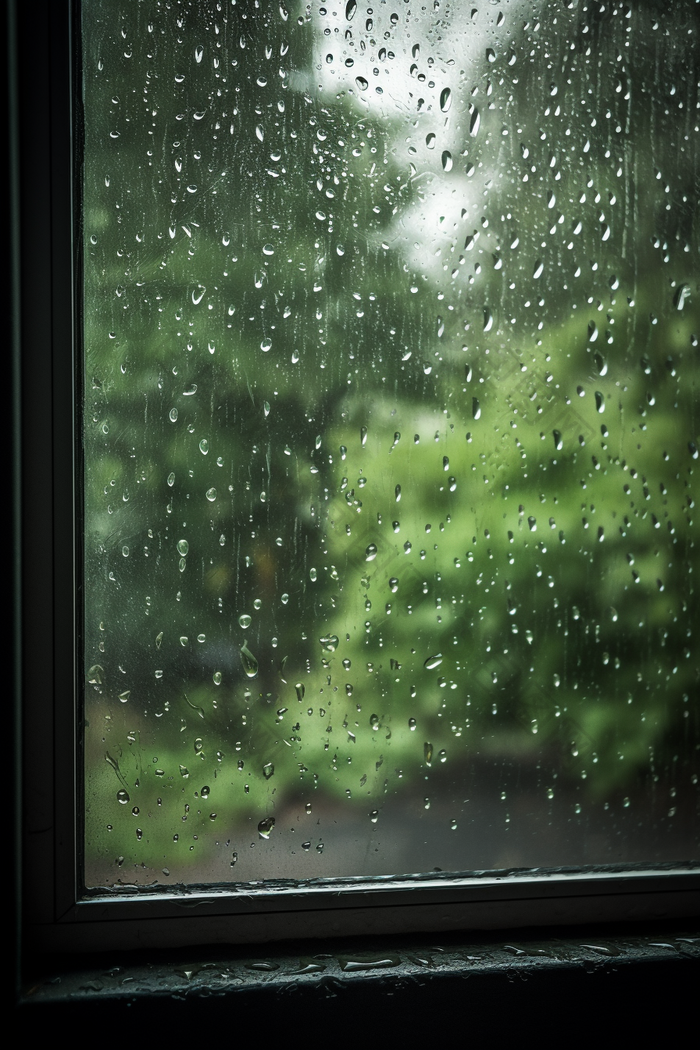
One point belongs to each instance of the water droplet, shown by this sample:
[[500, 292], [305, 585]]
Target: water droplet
[[265, 827], [397, 493], [250, 664], [329, 642], [374, 815], [198, 294], [300, 691], [430, 140], [371, 552], [558, 442], [211, 495], [125, 696], [95, 674], [474, 120], [681, 296], [393, 584], [217, 677], [412, 724], [476, 408], [445, 99], [244, 620], [599, 401], [172, 415], [433, 661], [350, 9], [361, 83], [537, 272], [427, 753], [183, 547], [204, 446], [446, 160], [123, 797], [268, 770]]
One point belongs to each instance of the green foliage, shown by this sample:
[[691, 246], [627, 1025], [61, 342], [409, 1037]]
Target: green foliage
[[426, 424]]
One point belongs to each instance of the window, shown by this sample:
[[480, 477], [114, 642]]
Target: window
[[454, 282]]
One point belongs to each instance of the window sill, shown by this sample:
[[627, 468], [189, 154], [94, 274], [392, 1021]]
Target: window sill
[[391, 984]]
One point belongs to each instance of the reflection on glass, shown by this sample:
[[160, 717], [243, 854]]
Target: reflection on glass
[[391, 326]]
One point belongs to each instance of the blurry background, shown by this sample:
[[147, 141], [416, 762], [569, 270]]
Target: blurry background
[[391, 364]]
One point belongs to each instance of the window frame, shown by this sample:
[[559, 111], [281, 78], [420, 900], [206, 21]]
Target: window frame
[[44, 123]]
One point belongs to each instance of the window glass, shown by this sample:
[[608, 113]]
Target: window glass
[[391, 363]]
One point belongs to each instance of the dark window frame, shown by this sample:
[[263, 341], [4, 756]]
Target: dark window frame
[[44, 125]]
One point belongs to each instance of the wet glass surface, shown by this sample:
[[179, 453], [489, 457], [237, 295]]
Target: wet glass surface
[[391, 441]]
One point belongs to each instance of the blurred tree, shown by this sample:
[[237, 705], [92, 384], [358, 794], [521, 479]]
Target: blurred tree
[[390, 393]]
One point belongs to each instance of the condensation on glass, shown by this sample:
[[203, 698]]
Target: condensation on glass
[[391, 439]]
